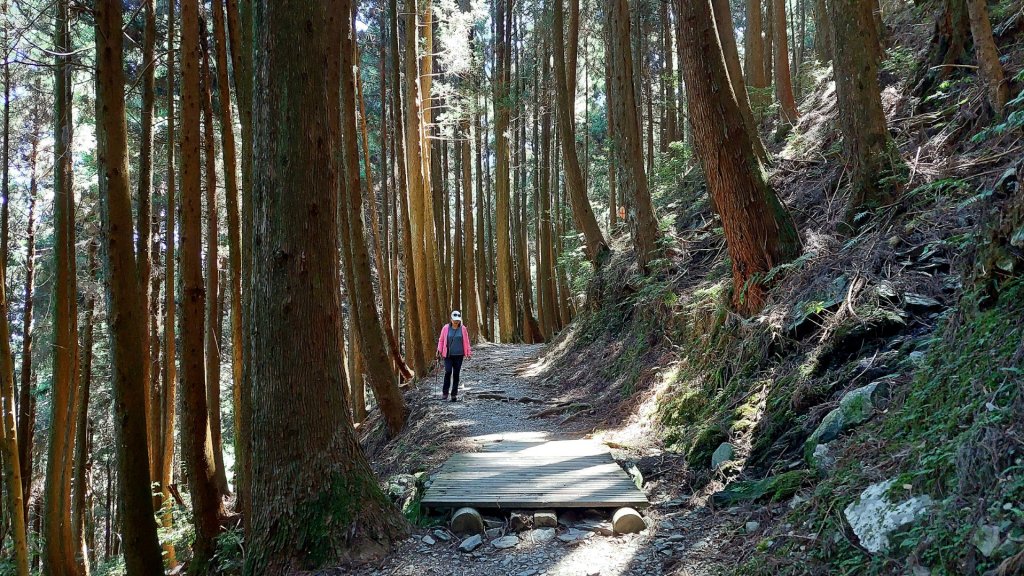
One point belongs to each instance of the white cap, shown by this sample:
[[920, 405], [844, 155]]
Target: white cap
[[456, 315]]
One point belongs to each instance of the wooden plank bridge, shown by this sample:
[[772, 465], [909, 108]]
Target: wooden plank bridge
[[532, 475]]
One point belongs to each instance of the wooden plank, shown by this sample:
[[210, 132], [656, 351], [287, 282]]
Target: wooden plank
[[558, 474]]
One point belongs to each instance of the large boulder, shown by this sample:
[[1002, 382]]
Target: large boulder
[[874, 516]]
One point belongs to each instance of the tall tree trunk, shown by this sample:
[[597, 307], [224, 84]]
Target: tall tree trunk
[[126, 319], [639, 211], [213, 326], [545, 262], [870, 151], [783, 82], [435, 296], [81, 479], [480, 246], [194, 418], [9, 446], [727, 38], [143, 237], [413, 342], [316, 500], [503, 192], [418, 182], [393, 347], [987, 54], [26, 399], [583, 214], [58, 551], [668, 77], [170, 377], [822, 32], [231, 203], [759, 231], [240, 31], [613, 166], [356, 260]]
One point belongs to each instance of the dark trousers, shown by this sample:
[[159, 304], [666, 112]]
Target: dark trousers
[[452, 367]]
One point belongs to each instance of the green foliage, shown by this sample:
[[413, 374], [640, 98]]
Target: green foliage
[[228, 553]]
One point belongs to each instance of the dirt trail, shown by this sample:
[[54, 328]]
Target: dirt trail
[[677, 541]]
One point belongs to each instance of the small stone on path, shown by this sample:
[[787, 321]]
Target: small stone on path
[[471, 543], [493, 533], [752, 526], [505, 542], [542, 534], [442, 535], [428, 540]]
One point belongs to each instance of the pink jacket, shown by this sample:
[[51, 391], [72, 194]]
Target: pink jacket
[[442, 342]]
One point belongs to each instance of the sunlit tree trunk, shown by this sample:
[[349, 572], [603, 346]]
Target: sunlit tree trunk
[[168, 399], [727, 38], [583, 214], [58, 551], [547, 295], [355, 258], [231, 204], [126, 319], [990, 69], [213, 327], [144, 225], [783, 82], [759, 232], [628, 152], [194, 418], [315, 499]]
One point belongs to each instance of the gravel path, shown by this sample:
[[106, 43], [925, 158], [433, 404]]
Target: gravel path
[[676, 541]]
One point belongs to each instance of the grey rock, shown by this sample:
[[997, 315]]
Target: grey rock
[[874, 515], [429, 541], [493, 533], [442, 535], [542, 534], [822, 458], [986, 539], [722, 454], [506, 542], [471, 543], [856, 407], [571, 536], [752, 526], [545, 519], [597, 527]]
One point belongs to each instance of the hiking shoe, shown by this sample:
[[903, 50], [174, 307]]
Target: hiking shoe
[[444, 397], [455, 399]]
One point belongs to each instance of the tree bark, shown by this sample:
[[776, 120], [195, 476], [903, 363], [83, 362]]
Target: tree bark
[[628, 151], [58, 552], [987, 54], [356, 260], [759, 231], [596, 245], [822, 32], [783, 82], [870, 151], [194, 419], [727, 38], [143, 236], [231, 203], [213, 327], [83, 434], [126, 319], [170, 377], [26, 399], [315, 499], [12, 466]]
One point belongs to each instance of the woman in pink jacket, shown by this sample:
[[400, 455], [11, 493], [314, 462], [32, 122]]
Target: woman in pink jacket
[[453, 346]]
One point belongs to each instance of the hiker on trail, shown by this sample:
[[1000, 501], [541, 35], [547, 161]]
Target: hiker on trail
[[453, 346]]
